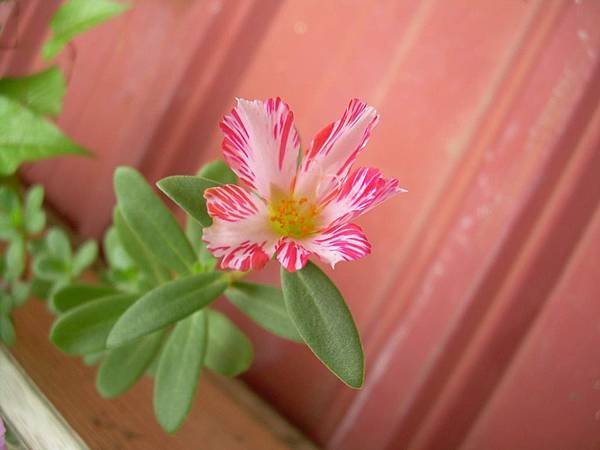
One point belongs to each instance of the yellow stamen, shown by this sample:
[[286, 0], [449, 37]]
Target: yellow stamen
[[295, 217]]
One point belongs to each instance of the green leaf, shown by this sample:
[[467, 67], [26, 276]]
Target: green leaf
[[35, 217], [84, 329], [92, 359], [167, 304], [115, 252], [75, 17], [74, 295], [58, 244], [40, 288], [9, 200], [229, 350], [6, 303], [10, 213], [153, 366], [152, 222], [264, 305], [187, 192], [127, 280], [218, 171], [7, 330], [58, 284], [20, 292], [178, 371], [324, 322], [35, 222], [85, 256], [26, 136], [122, 271], [49, 268], [124, 365], [138, 252], [42, 92], [34, 198], [10, 436], [37, 247], [193, 231], [15, 259]]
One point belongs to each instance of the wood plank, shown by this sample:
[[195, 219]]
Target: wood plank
[[22, 403], [226, 415]]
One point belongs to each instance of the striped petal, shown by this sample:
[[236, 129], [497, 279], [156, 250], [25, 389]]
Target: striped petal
[[363, 190], [291, 255], [240, 233], [334, 149], [261, 144], [339, 243], [230, 203]]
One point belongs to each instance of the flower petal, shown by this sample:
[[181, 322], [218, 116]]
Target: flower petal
[[363, 190], [334, 149], [291, 255], [241, 245], [261, 144], [245, 256], [230, 203], [240, 234], [339, 243]]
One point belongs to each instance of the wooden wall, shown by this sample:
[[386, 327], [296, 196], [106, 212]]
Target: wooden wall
[[478, 307]]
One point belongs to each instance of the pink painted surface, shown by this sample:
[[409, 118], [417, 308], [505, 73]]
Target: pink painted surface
[[550, 395], [489, 117]]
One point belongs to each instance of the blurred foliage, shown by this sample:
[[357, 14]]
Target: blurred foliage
[[27, 103], [25, 133], [42, 92], [75, 17], [33, 262]]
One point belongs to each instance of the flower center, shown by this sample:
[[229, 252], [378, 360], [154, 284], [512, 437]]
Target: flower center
[[295, 217]]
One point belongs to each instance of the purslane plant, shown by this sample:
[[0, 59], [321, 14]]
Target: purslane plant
[[155, 311], [151, 314], [294, 205]]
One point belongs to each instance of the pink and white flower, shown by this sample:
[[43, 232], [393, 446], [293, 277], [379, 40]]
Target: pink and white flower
[[293, 210]]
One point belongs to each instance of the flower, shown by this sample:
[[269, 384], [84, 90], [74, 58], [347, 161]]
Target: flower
[[293, 209]]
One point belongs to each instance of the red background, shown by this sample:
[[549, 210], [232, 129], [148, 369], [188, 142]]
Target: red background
[[478, 307]]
